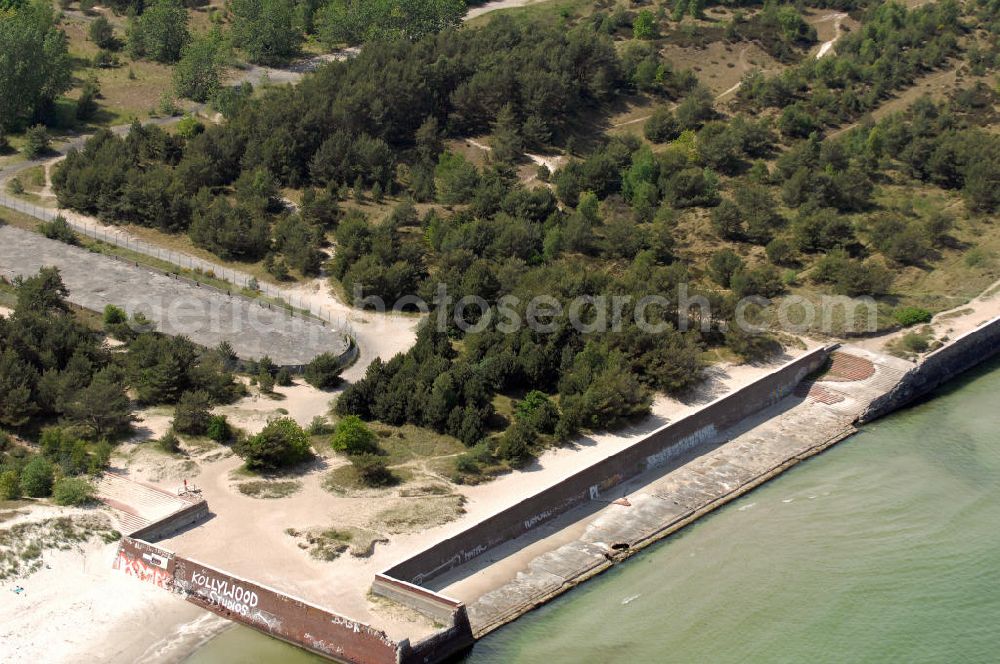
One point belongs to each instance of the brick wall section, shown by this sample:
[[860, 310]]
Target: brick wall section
[[282, 616], [655, 450], [937, 368], [265, 609]]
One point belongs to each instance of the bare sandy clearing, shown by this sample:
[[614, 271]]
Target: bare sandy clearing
[[721, 66]]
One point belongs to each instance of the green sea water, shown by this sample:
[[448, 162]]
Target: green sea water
[[885, 548]]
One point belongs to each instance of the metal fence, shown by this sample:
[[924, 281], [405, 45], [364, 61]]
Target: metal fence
[[244, 284]]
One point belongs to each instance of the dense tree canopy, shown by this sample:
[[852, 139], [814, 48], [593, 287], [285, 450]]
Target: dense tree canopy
[[34, 63], [357, 21]]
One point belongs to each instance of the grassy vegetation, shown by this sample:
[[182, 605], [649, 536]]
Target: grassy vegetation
[[345, 481], [329, 543], [414, 515], [269, 489], [914, 343], [408, 443], [22, 545]]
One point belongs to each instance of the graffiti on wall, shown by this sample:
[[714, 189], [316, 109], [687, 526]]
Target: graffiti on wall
[[231, 596], [151, 568], [597, 489], [700, 436]]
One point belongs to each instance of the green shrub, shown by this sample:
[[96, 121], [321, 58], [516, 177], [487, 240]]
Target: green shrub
[[280, 444], [515, 445], [72, 491], [114, 315], [661, 126], [36, 142], [537, 410], [218, 429], [102, 33], [915, 342], [372, 470], [323, 372], [353, 437], [780, 251], [191, 413], [10, 485], [910, 316], [58, 229], [37, 478], [266, 382], [189, 127], [319, 426], [169, 443], [101, 457]]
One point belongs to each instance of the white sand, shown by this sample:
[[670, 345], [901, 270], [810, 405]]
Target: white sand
[[78, 609]]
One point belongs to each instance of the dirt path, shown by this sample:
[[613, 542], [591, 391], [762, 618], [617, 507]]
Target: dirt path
[[743, 66], [827, 46]]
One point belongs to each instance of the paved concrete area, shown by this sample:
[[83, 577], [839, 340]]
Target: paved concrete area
[[204, 315], [533, 569]]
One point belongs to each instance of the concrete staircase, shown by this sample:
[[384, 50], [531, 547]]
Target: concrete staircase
[[855, 378], [136, 505]]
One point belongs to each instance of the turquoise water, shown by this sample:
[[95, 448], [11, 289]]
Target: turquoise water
[[886, 548]]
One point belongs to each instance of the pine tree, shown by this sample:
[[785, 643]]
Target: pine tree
[[506, 140]]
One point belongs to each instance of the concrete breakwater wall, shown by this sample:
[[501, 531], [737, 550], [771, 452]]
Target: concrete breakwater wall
[[947, 362], [176, 522], [283, 616], [589, 484]]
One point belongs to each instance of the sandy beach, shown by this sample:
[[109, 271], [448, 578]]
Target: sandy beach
[[76, 608]]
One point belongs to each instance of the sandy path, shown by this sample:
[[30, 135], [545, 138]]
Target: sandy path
[[552, 162], [631, 122], [827, 46], [743, 67], [495, 5]]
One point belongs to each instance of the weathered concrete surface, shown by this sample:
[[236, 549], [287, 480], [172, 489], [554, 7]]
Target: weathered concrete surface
[[531, 570], [204, 315], [938, 367]]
